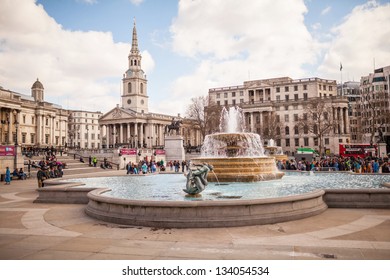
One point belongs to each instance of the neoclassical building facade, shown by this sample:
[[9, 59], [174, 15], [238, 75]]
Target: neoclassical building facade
[[30, 121], [131, 124], [274, 108]]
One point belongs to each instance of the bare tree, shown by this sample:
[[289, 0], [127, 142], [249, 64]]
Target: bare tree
[[196, 112], [272, 127], [318, 120]]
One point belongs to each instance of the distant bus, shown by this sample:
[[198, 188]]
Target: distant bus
[[357, 150]]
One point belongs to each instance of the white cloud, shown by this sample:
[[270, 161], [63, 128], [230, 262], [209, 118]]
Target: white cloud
[[136, 2], [79, 70], [363, 36], [326, 10], [231, 41]]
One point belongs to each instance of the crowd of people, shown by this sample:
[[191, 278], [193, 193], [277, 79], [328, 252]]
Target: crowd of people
[[357, 165], [144, 167]]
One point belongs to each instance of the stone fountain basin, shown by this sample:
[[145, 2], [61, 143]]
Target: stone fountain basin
[[203, 214], [241, 169]]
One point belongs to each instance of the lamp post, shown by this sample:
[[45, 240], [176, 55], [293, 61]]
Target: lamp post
[[16, 139]]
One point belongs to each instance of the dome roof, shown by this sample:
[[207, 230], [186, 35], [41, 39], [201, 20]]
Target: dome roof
[[37, 84]]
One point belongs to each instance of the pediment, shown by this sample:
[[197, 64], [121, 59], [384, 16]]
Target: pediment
[[117, 114]]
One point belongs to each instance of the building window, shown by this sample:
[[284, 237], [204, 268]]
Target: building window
[[47, 138], [278, 98], [218, 103], [47, 121], [286, 89], [277, 89], [306, 130], [306, 141], [295, 117], [142, 88], [32, 120], [286, 118], [24, 118], [233, 94], [226, 102], [305, 96], [304, 87], [32, 138], [296, 131], [277, 118], [296, 142], [128, 87], [287, 130], [286, 107], [295, 88], [286, 97], [225, 95], [326, 141], [218, 95], [241, 100], [241, 93], [315, 141], [24, 136], [278, 142], [296, 97], [287, 142]]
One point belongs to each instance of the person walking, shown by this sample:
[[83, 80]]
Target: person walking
[[41, 176], [7, 176]]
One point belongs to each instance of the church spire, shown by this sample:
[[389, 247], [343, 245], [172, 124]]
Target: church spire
[[134, 43]]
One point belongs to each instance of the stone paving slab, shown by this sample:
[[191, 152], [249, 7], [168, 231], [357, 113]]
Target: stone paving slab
[[63, 231]]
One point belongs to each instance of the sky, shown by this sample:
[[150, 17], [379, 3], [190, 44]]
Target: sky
[[78, 48]]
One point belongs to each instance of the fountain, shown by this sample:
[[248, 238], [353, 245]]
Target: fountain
[[236, 155], [274, 151]]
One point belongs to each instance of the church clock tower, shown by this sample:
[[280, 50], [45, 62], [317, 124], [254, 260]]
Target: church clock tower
[[134, 81]]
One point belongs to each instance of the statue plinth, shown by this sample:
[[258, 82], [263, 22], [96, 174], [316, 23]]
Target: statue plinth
[[174, 148]]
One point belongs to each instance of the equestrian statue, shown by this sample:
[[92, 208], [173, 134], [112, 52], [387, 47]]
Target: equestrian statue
[[175, 125]]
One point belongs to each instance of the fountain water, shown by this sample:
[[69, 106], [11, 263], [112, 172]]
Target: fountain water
[[237, 156]]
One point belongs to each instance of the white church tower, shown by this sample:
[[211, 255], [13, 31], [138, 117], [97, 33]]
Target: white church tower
[[135, 96]]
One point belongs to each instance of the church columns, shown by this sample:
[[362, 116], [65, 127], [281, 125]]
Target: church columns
[[121, 138], [128, 133]]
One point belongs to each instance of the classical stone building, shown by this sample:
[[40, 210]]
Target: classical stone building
[[30, 120], [374, 107], [276, 109], [131, 124], [84, 129]]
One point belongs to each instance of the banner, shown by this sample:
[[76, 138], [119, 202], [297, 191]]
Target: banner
[[7, 151], [127, 152], [159, 152]]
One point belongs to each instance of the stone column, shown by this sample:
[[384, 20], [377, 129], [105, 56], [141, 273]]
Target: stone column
[[121, 133], [107, 135], [141, 132], [128, 133]]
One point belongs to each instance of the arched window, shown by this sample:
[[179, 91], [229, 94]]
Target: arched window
[[315, 129], [142, 88], [296, 131], [278, 130], [287, 130], [129, 87], [306, 129], [135, 62]]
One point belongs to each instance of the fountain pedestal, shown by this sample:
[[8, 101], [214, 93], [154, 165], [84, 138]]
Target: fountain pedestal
[[174, 149]]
